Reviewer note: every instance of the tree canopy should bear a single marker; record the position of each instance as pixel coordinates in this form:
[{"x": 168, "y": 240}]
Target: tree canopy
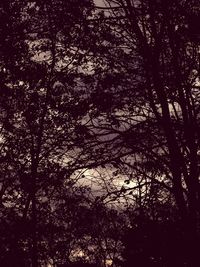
[{"x": 99, "y": 104}]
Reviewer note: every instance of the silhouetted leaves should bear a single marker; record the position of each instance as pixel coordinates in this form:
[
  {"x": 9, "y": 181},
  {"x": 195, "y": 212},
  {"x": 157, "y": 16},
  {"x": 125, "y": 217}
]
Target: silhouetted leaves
[{"x": 99, "y": 105}]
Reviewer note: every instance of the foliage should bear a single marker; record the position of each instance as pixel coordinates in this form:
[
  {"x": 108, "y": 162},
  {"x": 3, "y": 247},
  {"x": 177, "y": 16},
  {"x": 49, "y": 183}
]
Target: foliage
[{"x": 110, "y": 90}]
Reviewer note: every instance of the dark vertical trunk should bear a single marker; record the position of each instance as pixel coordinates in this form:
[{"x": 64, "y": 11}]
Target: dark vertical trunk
[
  {"x": 34, "y": 214},
  {"x": 177, "y": 164},
  {"x": 34, "y": 231}
]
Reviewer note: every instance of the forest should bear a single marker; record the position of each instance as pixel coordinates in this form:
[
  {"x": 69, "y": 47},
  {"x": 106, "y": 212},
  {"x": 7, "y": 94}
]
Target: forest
[{"x": 99, "y": 133}]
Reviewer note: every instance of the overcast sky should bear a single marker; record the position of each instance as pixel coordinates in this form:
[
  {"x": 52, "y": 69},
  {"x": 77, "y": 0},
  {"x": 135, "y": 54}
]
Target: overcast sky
[{"x": 99, "y": 2}]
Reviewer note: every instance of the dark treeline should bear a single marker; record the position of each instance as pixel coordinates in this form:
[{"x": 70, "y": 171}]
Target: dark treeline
[{"x": 99, "y": 133}]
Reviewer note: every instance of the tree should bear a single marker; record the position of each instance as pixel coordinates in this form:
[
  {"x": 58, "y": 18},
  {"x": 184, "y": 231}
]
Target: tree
[
  {"x": 115, "y": 87},
  {"x": 43, "y": 50},
  {"x": 147, "y": 68}
]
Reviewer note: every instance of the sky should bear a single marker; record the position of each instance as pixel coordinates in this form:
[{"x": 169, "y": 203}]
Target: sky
[{"x": 99, "y": 2}]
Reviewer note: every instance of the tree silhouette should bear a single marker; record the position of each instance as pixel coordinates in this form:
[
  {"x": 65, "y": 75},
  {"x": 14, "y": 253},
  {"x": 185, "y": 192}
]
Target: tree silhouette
[
  {"x": 112, "y": 88},
  {"x": 39, "y": 69},
  {"x": 147, "y": 113}
]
